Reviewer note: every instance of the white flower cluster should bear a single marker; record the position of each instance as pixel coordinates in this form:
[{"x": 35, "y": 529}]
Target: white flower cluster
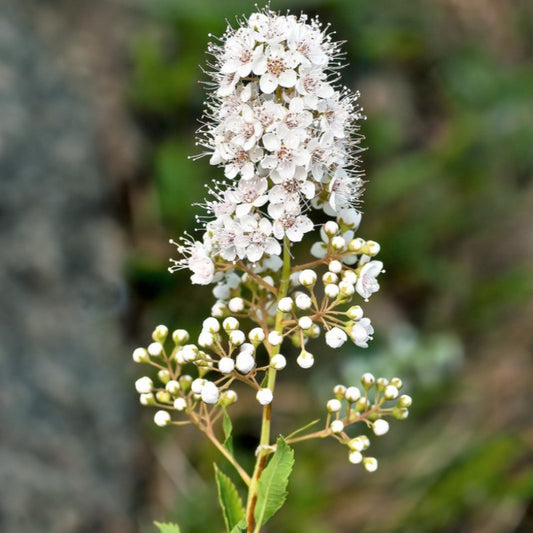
[
  {"x": 285, "y": 136},
  {"x": 359, "y": 408}
]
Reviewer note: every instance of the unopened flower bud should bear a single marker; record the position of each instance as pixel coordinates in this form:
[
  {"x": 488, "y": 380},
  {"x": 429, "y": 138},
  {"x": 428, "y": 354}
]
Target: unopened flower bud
[
  {"x": 355, "y": 457},
  {"x": 352, "y": 394},
  {"x": 189, "y": 352},
  {"x": 180, "y": 336},
  {"x": 160, "y": 334},
  {"x": 380, "y": 427},
  {"x": 245, "y": 362},
  {"x": 356, "y": 245},
  {"x": 219, "y": 310},
  {"x": 307, "y": 277},
  {"x": 356, "y": 444},
  {"x": 405, "y": 401},
  {"x": 335, "y": 266},
  {"x": 185, "y": 382},
  {"x": 172, "y": 386},
  {"x": 305, "y": 359},
  {"x": 337, "y": 426},
  {"x": 163, "y": 375},
  {"x": 397, "y": 382},
  {"x": 206, "y": 339},
  {"x": 275, "y": 338},
  {"x": 197, "y": 385},
  {"x": 370, "y": 464},
  {"x": 367, "y": 380},
  {"x": 305, "y": 322},
  {"x": 349, "y": 276},
  {"x": 140, "y": 355},
  {"x": 162, "y": 418},
  {"x": 264, "y": 396},
  {"x": 331, "y": 290},
  {"x": 147, "y": 399},
  {"x": 361, "y": 404},
  {"x": 381, "y": 383},
  {"x": 313, "y": 332},
  {"x": 230, "y": 323},
  {"x": 336, "y": 337},
  {"x": 278, "y": 362},
  {"x": 210, "y": 393},
  {"x": 346, "y": 289},
  {"x": 228, "y": 398},
  {"x": 237, "y": 337},
  {"x": 355, "y": 312},
  {"x": 330, "y": 277},
  {"x": 339, "y": 391},
  {"x": 226, "y": 365},
  {"x": 371, "y": 248},
  {"x": 256, "y": 335},
  {"x": 162, "y": 396},
  {"x": 285, "y": 304},
  {"x": 338, "y": 243},
  {"x": 180, "y": 404},
  {"x": 400, "y": 413},
  {"x": 390, "y": 392},
  {"x": 236, "y": 305},
  {"x": 155, "y": 349},
  {"x": 303, "y": 301},
  {"x": 144, "y": 385},
  {"x": 331, "y": 228},
  {"x": 333, "y": 406},
  {"x": 211, "y": 324}
]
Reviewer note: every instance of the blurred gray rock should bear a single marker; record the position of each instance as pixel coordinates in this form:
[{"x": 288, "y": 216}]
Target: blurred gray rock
[{"x": 67, "y": 432}]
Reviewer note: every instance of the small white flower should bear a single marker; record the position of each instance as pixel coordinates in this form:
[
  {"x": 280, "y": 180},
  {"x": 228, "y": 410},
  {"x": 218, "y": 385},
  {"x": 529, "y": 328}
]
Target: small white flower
[
  {"x": 218, "y": 310},
  {"x": 276, "y": 67},
  {"x": 275, "y": 338},
  {"x": 180, "y": 404},
  {"x": 180, "y": 336},
  {"x": 370, "y": 464},
  {"x": 226, "y": 365},
  {"x": 361, "y": 332},
  {"x": 189, "y": 352},
  {"x": 264, "y": 396},
  {"x": 144, "y": 385},
  {"x": 336, "y": 337},
  {"x": 355, "y": 312},
  {"x": 278, "y": 362},
  {"x": 346, "y": 289},
  {"x": 338, "y": 243},
  {"x": 206, "y": 339},
  {"x": 366, "y": 283},
  {"x": 335, "y": 266},
  {"x": 197, "y": 385},
  {"x": 162, "y": 418},
  {"x": 333, "y": 406},
  {"x": 245, "y": 362},
  {"x": 331, "y": 228},
  {"x": 337, "y": 426},
  {"x": 230, "y": 323},
  {"x": 356, "y": 444},
  {"x": 210, "y": 393},
  {"x": 349, "y": 276},
  {"x": 155, "y": 349}
]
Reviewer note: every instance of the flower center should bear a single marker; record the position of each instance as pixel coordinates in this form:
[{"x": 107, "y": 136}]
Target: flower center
[{"x": 276, "y": 67}]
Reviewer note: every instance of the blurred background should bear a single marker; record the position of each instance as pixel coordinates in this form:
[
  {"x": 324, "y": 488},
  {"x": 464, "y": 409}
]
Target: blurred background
[{"x": 99, "y": 102}]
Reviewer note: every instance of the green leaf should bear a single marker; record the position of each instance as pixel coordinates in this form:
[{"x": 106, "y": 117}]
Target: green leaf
[
  {"x": 167, "y": 528},
  {"x": 272, "y": 487},
  {"x": 229, "y": 499},
  {"x": 241, "y": 526},
  {"x": 228, "y": 428}
]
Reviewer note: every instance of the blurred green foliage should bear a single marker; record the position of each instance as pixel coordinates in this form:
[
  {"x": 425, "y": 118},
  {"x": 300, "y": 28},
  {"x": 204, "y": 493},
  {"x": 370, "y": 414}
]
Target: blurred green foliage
[{"x": 447, "y": 87}]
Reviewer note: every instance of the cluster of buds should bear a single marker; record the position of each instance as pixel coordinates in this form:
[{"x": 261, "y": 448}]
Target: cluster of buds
[
  {"x": 350, "y": 406},
  {"x": 287, "y": 138}
]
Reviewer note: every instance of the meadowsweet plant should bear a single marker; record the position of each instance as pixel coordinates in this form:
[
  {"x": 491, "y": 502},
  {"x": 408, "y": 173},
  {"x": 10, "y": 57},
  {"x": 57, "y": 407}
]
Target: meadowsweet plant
[{"x": 285, "y": 136}]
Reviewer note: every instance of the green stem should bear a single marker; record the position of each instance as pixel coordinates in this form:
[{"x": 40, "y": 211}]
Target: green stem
[{"x": 264, "y": 442}]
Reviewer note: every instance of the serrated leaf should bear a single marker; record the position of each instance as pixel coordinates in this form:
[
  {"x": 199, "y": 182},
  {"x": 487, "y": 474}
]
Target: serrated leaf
[
  {"x": 167, "y": 528},
  {"x": 241, "y": 526},
  {"x": 228, "y": 429},
  {"x": 229, "y": 499},
  {"x": 272, "y": 487}
]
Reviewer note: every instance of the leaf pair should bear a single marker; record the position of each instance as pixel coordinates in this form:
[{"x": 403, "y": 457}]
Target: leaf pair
[{"x": 271, "y": 491}]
